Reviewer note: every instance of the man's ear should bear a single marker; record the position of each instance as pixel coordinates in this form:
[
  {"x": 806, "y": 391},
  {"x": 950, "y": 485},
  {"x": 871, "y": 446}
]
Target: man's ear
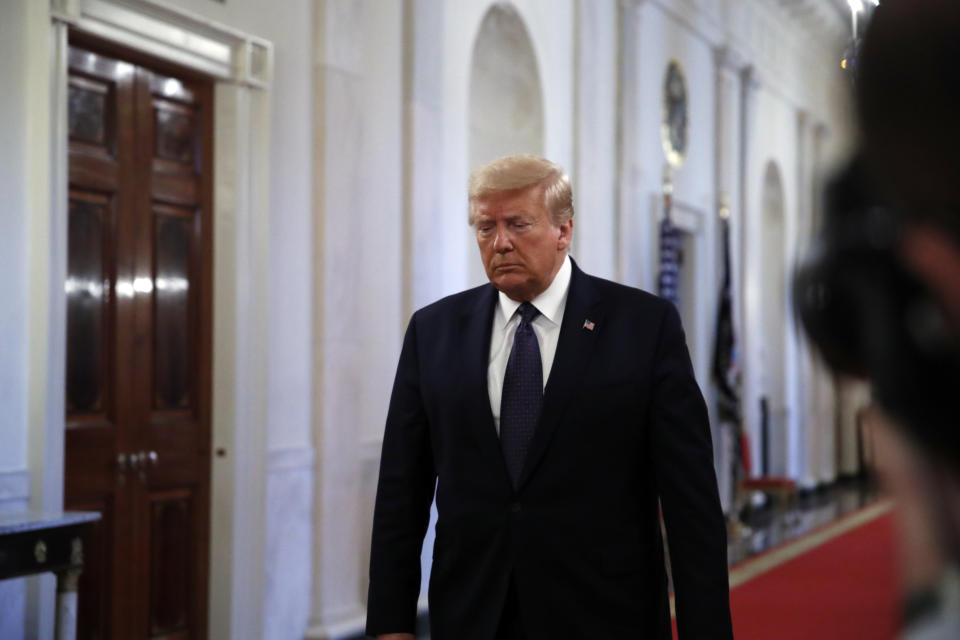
[{"x": 566, "y": 235}]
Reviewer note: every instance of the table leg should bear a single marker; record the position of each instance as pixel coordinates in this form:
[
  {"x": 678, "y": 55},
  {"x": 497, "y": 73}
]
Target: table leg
[{"x": 67, "y": 604}]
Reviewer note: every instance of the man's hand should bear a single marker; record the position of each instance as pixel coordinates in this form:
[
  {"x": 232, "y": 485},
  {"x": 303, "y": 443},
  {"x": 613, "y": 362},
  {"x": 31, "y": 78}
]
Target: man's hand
[{"x": 396, "y": 636}]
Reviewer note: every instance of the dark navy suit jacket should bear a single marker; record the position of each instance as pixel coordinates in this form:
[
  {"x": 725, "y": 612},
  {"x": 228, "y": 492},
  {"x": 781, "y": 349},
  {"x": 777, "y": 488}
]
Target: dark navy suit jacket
[{"x": 623, "y": 430}]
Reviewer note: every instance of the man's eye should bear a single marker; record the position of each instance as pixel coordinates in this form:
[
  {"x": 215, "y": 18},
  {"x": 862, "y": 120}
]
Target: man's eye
[{"x": 484, "y": 228}]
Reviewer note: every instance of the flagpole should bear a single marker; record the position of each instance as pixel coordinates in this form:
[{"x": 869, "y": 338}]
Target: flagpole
[{"x": 667, "y": 190}]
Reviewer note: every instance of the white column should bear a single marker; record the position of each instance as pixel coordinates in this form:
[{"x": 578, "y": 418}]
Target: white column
[
  {"x": 825, "y": 405},
  {"x": 424, "y": 213},
  {"x": 631, "y": 244},
  {"x": 338, "y": 211},
  {"x": 423, "y": 154},
  {"x": 794, "y": 375},
  {"x": 370, "y": 110},
  {"x": 802, "y": 464},
  {"x": 748, "y": 252},
  {"x": 596, "y": 238}
]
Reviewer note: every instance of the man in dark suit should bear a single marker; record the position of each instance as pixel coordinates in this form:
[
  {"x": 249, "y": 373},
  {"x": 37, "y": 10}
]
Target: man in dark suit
[{"x": 555, "y": 413}]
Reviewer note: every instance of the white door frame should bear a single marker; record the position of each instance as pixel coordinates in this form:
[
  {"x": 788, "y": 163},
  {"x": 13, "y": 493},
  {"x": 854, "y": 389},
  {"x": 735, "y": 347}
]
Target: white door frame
[{"x": 241, "y": 66}]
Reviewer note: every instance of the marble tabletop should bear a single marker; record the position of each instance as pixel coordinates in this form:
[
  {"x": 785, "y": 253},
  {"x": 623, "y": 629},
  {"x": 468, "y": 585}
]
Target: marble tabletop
[{"x": 23, "y": 521}]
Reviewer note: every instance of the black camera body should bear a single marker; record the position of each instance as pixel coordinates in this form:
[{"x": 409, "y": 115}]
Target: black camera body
[
  {"x": 867, "y": 313},
  {"x": 871, "y": 318}
]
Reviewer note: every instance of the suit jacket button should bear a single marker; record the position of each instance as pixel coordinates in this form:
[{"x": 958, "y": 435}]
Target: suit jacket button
[{"x": 515, "y": 507}]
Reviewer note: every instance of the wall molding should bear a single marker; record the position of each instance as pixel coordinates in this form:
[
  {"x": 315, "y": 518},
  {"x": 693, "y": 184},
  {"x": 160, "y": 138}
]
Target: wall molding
[{"x": 173, "y": 34}]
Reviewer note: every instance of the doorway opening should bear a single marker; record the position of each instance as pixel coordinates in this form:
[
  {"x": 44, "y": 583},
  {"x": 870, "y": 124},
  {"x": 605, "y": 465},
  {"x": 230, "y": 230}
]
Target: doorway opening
[{"x": 139, "y": 338}]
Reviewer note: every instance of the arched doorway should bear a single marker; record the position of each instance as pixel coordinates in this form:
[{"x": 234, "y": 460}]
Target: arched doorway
[{"x": 506, "y": 97}]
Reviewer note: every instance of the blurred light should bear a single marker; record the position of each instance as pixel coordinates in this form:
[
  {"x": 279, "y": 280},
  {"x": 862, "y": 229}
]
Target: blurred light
[
  {"x": 856, "y": 5},
  {"x": 143, "y": 285},
  {"x": 172, "y": 87},
  {"x": 172, "y": 284},
  {"x": 76, "y": 285}
]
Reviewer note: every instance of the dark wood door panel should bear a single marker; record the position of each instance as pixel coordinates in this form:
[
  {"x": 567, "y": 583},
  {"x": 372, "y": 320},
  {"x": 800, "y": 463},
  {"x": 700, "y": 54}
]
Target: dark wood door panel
[
  {"x": 94, "y": 172},
  {"x": 180, "y": 452},
  {"x": 175, "y": 188},
  {"x": 173, "y": 324},
  {"x": 139, "y": 304},
  {"x": 90, "y": 276},
  {"x": 90, "y": 463},
  {"x": 171, "y": 548},
  {"x": 175, "y": 310},
  {"x": 91, "y": 113}
]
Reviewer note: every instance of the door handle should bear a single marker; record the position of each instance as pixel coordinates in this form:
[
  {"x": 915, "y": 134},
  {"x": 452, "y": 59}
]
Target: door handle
[{"x": 138, "y": 461}]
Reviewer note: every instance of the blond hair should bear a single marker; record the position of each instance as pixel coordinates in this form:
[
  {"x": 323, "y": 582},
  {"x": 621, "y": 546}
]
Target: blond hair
[{"x": 517, "y": 172}]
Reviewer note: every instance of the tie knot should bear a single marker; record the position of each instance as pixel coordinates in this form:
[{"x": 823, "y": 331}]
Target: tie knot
[{"x": 527, "y": 313}]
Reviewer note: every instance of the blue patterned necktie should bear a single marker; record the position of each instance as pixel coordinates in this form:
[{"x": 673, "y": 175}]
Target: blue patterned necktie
[{"x": 522, "y": 394}]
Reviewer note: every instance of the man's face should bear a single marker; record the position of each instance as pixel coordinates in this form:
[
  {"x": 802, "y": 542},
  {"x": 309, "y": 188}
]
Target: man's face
[{"x": 521, "y": 248}]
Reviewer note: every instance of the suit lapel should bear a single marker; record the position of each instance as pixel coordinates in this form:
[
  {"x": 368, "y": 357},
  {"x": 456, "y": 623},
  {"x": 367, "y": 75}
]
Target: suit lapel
[
  {"x": 477, "y": 323},
  {"x": 574, "y": 348}
]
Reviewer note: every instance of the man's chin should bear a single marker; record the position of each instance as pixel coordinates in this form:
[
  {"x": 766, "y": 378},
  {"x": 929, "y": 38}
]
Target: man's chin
[{"x": 514, "y": 287}]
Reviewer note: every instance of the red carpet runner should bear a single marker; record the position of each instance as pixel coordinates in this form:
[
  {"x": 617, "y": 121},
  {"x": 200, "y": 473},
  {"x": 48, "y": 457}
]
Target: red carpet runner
[{"x": 845, "y": 588}]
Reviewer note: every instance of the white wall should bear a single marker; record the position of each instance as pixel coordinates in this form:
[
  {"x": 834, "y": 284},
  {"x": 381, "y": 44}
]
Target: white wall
[
  {"x": 22, "y": 140},
  {"x": 13, "y": 237}
]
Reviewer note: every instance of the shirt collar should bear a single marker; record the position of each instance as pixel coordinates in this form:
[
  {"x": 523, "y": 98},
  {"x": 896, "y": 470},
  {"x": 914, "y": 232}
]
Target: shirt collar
[{"x": 550, "y": 302}]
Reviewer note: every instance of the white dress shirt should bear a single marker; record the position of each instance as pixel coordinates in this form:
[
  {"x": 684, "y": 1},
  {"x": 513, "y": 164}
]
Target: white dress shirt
[{"x": 546, "y": 326}]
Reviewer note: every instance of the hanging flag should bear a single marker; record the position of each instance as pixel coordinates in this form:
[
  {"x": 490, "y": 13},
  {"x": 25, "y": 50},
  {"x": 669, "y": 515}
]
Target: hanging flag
[
  {"x": 668, "y": 285},
  {"x": 726, "y": 367}
]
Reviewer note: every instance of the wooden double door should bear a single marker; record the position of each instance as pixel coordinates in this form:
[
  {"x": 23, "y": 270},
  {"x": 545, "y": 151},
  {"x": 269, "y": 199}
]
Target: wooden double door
[{"x": 139, "y": 343}]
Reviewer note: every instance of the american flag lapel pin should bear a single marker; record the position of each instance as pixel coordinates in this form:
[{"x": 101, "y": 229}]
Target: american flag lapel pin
[{"x": 589, "y": 324}]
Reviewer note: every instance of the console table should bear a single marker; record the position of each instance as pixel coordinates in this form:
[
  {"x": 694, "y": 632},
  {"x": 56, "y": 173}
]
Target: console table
[{"x": 32, "y": 543}]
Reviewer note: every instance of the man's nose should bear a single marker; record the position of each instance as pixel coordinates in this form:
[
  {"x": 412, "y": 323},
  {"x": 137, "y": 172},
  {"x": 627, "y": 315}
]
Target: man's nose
[{"x": 502, "y": 242}]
